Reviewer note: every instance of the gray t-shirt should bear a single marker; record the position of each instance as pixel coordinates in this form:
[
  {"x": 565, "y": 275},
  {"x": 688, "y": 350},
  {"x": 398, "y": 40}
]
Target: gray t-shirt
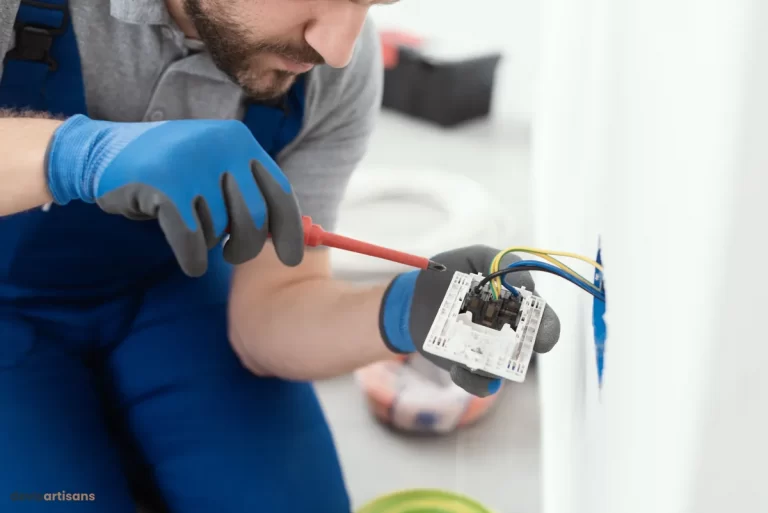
[{"x": 138, "y": 66}]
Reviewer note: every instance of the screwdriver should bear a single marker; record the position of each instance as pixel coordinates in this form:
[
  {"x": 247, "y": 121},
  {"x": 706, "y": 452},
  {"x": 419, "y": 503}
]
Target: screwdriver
[{"x": 315, "y": 235}]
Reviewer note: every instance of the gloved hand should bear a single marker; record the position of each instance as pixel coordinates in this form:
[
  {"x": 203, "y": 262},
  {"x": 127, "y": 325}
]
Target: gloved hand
[
  {"x": 413, "y": 299},
  {"x": 196, "y": 177}
]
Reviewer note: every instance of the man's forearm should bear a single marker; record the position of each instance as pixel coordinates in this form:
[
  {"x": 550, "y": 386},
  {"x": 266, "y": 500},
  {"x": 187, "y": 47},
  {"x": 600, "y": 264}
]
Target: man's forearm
[
  {"x": 310, "y": 330},
  {"x": 24, "y": 139}
]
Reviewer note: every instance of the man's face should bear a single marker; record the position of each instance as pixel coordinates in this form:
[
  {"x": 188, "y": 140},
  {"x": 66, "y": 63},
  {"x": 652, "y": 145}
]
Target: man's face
[{"x": 260, "y": 44}]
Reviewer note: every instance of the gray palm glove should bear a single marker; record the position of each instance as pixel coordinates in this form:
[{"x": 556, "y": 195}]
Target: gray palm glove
[
  {"x": 197, "y": 178},
  {"x": 413, "y": 299}
]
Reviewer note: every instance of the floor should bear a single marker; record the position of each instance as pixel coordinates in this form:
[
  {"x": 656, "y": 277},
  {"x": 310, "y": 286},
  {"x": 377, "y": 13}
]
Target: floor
[{"x": 496, "y": 461}]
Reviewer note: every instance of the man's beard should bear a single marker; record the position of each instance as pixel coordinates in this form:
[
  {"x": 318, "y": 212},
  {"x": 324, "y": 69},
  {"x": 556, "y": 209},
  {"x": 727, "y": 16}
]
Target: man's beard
[{"x": 234, "y": 54}]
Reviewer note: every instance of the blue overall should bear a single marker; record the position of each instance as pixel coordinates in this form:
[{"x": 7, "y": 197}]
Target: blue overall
[{"x": 117, "y": 380}]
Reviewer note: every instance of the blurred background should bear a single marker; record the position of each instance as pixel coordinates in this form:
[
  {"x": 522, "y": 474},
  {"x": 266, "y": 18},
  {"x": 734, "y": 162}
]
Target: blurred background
[
  {"x": 631, "y": 127},
  {"x": 442, "y": 169}
]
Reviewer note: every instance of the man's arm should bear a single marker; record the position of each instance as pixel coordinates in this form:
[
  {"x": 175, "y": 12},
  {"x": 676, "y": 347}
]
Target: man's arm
[
  {"x": 24, "y": 139},
  {"x": 299, "y": 323}
]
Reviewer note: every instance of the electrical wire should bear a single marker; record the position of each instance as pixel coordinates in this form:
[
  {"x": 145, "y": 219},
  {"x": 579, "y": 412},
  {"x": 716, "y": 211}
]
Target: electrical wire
[
  {"x": 538, "y": 251},
  {"x": 534, "y": 265},
  {"x": 546, "y": 255},
  {"x": 496, "y": 283},
  {"x": 541, "y": 254}
]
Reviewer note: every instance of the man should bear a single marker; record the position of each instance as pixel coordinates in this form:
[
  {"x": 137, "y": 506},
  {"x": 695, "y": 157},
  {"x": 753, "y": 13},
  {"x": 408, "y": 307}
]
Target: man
[{"x": 133, "y": 349}]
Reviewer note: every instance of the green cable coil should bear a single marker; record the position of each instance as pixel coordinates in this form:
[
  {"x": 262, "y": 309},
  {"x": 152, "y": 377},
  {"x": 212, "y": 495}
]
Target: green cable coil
[{"x": 424, "y": 501}]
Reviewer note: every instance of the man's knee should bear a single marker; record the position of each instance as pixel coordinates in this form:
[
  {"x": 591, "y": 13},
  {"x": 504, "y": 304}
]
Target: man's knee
[
  {"x": 295, "y": 460},
  {"x": 241, "y": 444}
]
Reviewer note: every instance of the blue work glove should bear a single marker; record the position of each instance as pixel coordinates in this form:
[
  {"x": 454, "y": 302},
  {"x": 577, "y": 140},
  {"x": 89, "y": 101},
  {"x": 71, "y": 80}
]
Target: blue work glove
[
  {"x": 413, "y": 299},
  {"x": 196, "y": 177}
]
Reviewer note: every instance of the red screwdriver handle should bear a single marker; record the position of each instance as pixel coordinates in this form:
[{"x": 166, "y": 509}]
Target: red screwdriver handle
[
  {"x": 363, "y": 248},
  {"x": 313, "y": 233},
  {"x": 314, "y": 236}
]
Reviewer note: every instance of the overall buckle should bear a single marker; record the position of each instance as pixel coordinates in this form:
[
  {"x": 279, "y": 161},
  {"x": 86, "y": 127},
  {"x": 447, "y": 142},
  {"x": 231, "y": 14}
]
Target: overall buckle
[{"x": 34, "y": 41}]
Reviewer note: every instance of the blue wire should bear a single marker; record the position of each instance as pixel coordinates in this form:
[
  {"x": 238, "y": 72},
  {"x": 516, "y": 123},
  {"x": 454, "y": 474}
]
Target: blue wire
[{"x": 554, "y": 270}]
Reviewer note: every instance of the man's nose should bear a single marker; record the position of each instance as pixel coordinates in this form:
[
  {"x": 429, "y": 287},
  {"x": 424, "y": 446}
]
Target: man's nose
[{"x": 334, "y": 31}]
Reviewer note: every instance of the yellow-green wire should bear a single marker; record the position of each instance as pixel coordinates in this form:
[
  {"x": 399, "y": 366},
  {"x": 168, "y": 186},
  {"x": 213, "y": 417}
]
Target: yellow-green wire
[
  {"x": 543, "y": 255},
  {"x": 547, "y": 255}
]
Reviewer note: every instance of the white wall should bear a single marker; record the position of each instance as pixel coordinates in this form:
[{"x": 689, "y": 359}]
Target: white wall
[
  {"x": 568, "y": 133},
  {"x": 654, "y": 115},
  {"x": 509, "y": 26}
]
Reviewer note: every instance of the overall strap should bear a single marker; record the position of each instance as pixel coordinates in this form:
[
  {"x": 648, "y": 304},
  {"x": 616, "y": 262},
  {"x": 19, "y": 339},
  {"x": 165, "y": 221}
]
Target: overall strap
[
  {"x": 276, "y": 127},
  {"x": 42, "y": 71}
]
